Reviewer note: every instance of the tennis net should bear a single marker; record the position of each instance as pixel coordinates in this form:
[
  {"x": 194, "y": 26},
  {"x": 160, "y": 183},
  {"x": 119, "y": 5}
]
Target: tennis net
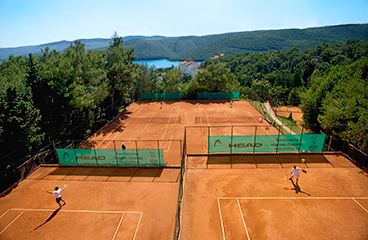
[
  {"x": 228, "y": 119},
  {"x": 153, "y": 120}
]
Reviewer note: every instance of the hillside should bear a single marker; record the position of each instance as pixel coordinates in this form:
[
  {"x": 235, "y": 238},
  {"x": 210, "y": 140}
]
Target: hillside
[
  {"x": 204, "y": 47},
  {"x": 261, "y": 41}
]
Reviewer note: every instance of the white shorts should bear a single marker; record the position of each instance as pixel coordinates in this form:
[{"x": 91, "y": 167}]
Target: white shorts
[{"x": 296, "y": 175}]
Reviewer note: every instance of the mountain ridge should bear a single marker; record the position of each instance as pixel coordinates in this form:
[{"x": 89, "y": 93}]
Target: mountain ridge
[{"x": 204, "y": 47}]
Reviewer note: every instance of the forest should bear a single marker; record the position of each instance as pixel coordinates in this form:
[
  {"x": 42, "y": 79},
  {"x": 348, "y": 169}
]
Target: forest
[
  {"x": 201, "y": 48},
  {"x": 47, "y": 97}
]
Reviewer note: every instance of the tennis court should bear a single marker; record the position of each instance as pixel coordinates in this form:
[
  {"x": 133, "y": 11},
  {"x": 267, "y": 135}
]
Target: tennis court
[
  {"x": 102, "y": 203},
  {"x": 226, "y": 196},
  {"x": 252, "y": 200}
]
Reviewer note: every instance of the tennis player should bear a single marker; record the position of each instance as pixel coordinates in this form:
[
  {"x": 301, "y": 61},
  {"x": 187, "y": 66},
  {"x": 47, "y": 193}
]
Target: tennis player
[
  {"x": 231, "y": 104},
  {"x": 295, "y": 173},
  {"x": 161, "y": 104},
  {"x": 58, "y": 195}
]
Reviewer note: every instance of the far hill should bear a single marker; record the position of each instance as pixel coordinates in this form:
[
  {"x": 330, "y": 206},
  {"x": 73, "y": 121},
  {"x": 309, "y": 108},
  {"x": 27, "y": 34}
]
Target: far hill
[{"x": 204, "y": 47}]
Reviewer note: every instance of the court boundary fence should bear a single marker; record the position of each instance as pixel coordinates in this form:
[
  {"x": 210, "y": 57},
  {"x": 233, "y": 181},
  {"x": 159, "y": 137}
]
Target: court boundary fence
[
  {"x": 136, "y": 153},
  {"x": 206, "y": 131},
  {"x": 181, "y": 188}
]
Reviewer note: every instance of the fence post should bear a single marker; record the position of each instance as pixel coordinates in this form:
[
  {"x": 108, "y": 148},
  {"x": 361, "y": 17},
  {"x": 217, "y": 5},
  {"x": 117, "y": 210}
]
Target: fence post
[
  {"x": 231, "y": 148},
  {"x": 116, "y": 155},
  {"x": 254, "y": 143},
  {"x": 301, "y": 137},
  {"x": 136, "y": 150},
  {"x": 208, "y": 139},
  {"x": 57, "y": 157},
  {"x": 158, "y": 151},
  {"x": 278, "y": 139},
  {"x": 75, "y": 154},
  {"x": 94, "y": 148}
]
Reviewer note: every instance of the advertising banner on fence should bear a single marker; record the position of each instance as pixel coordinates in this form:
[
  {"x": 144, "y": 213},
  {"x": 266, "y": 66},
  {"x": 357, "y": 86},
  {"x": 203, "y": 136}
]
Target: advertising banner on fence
[
  {"x": 266, "y": 143},
  {"x": 111, "y": 157}
]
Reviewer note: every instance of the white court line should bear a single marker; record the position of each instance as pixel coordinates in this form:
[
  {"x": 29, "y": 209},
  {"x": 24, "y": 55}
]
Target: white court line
[
  {"x": 115, "y": 129},
  {"x": 360, "y": 205},
  {"x": 5, "y": 213},
  {"x": 167, "y": 126},
  {"x": 172, "y": 133},
  {"x": 117, "y": 228},
  {"x": 222, "y": 223},
  {"x": 136, "y": 230},
  {"x": 147, "y": 124},
  {"x": 11, "y": 222},
  {"x": 286, "y": 198},
  {"x": 76, "y": 211},
  {"x": 242, "y": 216},
  {"x": 202, "y": 134},
  {"x": 258, "y": 124}
]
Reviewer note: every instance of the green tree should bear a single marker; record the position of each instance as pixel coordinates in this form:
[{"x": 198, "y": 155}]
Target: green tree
[
  {"x": 120, "y": 68},
  {"x": 347, "y": 103},
  {"x": 146, "y": 81},
  {"x": 171, "y": 81},
  {"x": 215, "y": 78},
  {"x": 261, "y": 88}
]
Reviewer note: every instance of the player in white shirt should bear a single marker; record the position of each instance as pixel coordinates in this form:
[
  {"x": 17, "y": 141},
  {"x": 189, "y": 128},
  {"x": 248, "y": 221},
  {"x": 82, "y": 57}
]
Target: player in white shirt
[
  {"x": 295, "y": 173},
  {"x": 58, "y": 195}
]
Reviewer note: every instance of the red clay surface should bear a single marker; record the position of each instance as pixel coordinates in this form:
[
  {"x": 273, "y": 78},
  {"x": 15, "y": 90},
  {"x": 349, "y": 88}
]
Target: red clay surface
[
  {"x": 250, "y": 199},
  {"x": 102, "y": 203},
  {"x": 285, "y": 111},
  {"x": 241, "y": 197},
  {"x": 115, "y": 203}
]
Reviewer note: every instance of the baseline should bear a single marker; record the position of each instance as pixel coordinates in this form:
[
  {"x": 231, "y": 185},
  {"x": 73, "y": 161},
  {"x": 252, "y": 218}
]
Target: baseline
[{"x": 77, "y": 211}]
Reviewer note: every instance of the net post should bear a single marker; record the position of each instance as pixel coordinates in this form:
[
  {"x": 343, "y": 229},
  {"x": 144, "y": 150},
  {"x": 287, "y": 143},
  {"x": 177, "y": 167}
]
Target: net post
[{"x": 136, "y": 150}]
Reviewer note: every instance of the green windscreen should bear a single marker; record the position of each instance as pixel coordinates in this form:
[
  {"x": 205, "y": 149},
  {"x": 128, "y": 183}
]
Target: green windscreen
[
  {"x": 111, "y": 157},
  {"x": 266, "y": 143},
  {"x": 218, "y": 96},
  {"x": 160, "y": 96}
]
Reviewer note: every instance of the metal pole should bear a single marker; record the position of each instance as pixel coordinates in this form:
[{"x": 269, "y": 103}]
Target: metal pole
[
  {"x": 254, "y": 143},
  {"x": 57, "y": 157},
  {"x": 158, "y": 151},
  {"x": 116, "y": 155},
  {"x": 278, "y": 139},
  {"x": 231, "y": 148},
  {"x": 329, "y": 144},
  {"x": 300, "y": 143},
  {"x": 94, "y": 147},
  {"x": 208, "y": 139},
  {"x": 136, "y": 150}
]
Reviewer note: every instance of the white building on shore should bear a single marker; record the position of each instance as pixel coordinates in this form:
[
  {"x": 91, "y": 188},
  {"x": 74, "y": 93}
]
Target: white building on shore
[{"x": 189, "y": 67}]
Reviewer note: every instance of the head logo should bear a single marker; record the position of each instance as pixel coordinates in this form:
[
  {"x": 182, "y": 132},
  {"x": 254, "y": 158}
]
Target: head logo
[
  {"x": 217, "y": 141},
  {"x": 66, "y": 155}
]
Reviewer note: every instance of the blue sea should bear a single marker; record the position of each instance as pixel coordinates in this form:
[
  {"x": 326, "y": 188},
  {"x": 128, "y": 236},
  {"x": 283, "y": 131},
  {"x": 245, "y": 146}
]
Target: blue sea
[{"x": 159, "y": 63}]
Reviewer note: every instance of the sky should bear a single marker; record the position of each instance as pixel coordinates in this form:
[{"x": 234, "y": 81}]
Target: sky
[{"x": 34, "y": 22}]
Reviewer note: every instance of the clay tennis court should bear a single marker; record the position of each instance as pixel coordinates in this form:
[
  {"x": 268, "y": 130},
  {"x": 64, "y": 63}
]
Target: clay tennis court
[
  {"x": 113, "y": 202},
  {"x": 284, "y": 111},
  {"x": 252, "y": 199},
  {"x": 225, "y": 197}
]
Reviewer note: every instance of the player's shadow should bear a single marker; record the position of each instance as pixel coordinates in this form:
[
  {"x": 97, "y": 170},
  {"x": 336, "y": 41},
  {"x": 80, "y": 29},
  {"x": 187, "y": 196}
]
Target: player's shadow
[
  {"x": 50, "y": 218},
  {"x": 297, "y": 188}
]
